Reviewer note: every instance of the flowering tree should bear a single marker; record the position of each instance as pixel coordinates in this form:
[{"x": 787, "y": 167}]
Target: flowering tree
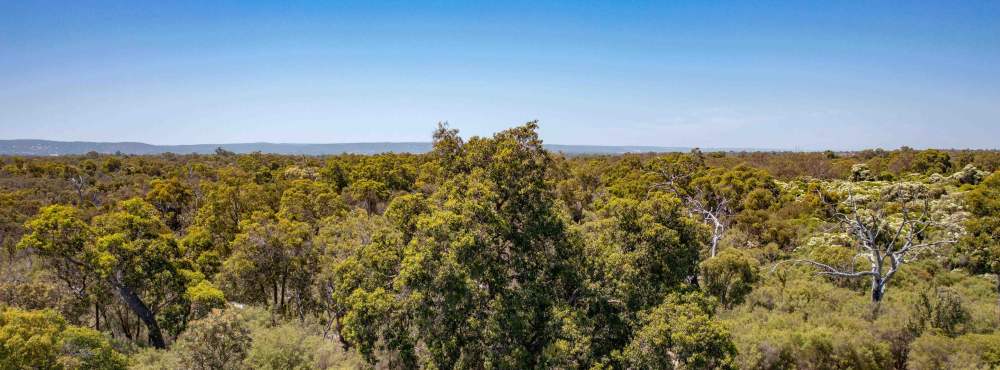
[{"x": 889, "y": 231}]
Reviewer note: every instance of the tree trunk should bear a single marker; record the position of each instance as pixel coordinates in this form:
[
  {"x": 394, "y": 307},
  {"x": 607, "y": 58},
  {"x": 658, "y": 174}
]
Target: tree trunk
[
  {"x": 878, "y": 288},
  {"x": 123, "y": 323},
  {"x": 97, "y": 317},
  {"x": 284, "y": 278},
  {"x": 147, "y": 317},
  {"x": 274, "y": 296}
]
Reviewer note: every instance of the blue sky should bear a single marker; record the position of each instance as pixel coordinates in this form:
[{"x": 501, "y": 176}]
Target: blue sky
[{"x": 809, "y": 75}]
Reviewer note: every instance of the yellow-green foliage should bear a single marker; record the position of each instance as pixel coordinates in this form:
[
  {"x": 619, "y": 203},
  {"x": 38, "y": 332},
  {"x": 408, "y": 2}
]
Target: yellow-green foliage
[
  {"x": 43, "y": 340},
  {"x": 247, "y": 339},
  {"x": 204, "y": 297},
  {"x": 492, "y": 252},
  {"x": 971, "y": 351},
  {"x": 979, "y": 249},
  {"x": 293, "y": 346},
  {"x": 729, "y": 276},
  {"x": 798, "y": 322},
  {"x": 680, "y": 334},
  {"x": 219, "y": 341},
  {"x": 794, "y": 319}
]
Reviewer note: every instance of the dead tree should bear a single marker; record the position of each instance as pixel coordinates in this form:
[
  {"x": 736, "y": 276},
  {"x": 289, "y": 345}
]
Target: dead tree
[
  {"x": 716, "y": 215},
  {"x": 712, "y": 207},
  {"x": 887, "y": 241},
  {"x": 80, "y": 184}
]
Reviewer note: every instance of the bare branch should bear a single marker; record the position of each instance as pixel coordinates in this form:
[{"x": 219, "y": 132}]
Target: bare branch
[
  {"x": 828, "y": 270},
  {"x": 869, "y": 228}
]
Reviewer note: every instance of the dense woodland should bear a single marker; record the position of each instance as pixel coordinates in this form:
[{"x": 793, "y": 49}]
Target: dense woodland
[{"x": 493, "y": 253}]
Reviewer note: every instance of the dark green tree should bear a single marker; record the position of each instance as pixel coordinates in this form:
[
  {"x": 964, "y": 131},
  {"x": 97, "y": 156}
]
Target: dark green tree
[{"x": 979, "y": 248}]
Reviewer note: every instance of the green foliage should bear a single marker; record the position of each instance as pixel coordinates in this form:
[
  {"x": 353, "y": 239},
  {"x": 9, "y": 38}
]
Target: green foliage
[
  {"x": 136, "y": 255},
  {"x": 729, "y": 276},
  {"x": 245, "y": 339},
  {"x": 576, "y": 186},
  {"x": 794, "y": 322},
  {"x": 932, "y": 161},
  {"x": 128, "y": 249},
  {"x": 972, "y": 351},
  {"x": 33, "y": 295},
  {"x": 860, "y": 172},
  {"x": 943, "y": 311},
  {"x": 680, "y": 333},
  {"x": 198, "y": 246},
  {"x": 229, "y": 201},
  {"x": 43, "y": 340},
  {"x": 448, "y": 149},
  {"x": 404, "y": 211},
  {"x": 642, "y": 250},
  {"x": 273, "y": 263},
  {"x": 285, "y": 347},
  {"x": 335, "y": 175},
  {"x": 491, "y": 252},
  {"x": 362, "y": 253},
  {"x": 204, "y": 297},
  {"x": 638, "y": 253},
  {"x": 309, "y": 201},
  {"x": 368, "y": 193},
  {"x": 171, "y": 198},
  {"x": 370, "y": 324},
  {"x": 491, "y": 259},
  {"x": 980, "y": 247},
  {"x": 57, "y": 231},
  {"x": 131, "y": 245},
  {"x": 735, "y": 185},
  {"x": 220, "y": 341}
]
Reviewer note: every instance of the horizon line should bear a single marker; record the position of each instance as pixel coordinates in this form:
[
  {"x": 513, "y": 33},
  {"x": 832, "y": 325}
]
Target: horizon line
[{"x": 669, "y": 148}]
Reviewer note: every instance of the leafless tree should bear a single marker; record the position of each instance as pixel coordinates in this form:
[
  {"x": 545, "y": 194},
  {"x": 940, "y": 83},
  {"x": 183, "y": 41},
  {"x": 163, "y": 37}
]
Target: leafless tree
[
  {"x": 716, "y": 215},
  {"x": 713, "y": 208},
  {"x": 887, "y": 241},
  {"x": 80, "y": 184}
]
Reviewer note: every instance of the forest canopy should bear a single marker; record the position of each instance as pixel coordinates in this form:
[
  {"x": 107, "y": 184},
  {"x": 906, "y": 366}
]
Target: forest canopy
[{"x": 493, "y": 252}]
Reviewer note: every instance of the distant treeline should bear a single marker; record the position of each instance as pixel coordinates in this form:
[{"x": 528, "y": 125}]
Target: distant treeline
[
  {"x": 48, "y": 148},
  {"x": 499, "y": 253}
]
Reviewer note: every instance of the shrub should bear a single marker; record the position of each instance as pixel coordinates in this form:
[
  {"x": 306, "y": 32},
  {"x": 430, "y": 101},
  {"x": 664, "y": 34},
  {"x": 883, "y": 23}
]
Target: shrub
[
  {"x": 204, "y": 297},
  {"x": 860, "y": 172},
  {"x": 220, "y": 341},
  {"x": 729, "y": 276},
  {"x": 43, "y": 340},
  {"x": 283, "y": 347},
  {"x": 972, "y": 351},
  {"x": 680, "y": 333}
]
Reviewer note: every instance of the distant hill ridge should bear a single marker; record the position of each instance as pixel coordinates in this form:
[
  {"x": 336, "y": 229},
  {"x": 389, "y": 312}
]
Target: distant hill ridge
[{"x": 48, "y": 148}]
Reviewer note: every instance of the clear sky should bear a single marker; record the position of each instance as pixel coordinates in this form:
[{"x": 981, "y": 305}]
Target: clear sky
[{"x": 810, "y": 75}]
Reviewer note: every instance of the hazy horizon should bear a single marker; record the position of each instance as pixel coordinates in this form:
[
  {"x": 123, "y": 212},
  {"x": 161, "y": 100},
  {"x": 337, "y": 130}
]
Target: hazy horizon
[
  {"x": 840, "y": 76},
  {"x": 547, "y": 142},
  {"x": 11, "y": 147}
]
